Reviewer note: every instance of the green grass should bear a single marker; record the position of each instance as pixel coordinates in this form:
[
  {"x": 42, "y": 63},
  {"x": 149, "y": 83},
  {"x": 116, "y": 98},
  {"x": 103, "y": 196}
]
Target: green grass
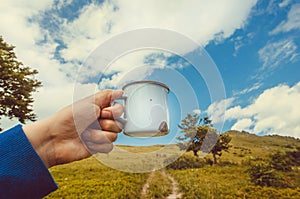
[
  {"x": 160, "y": 186},
  {"x": 139, "y": 159},
  {"x": 225, "y": 182},
  {"x": 91, "y": 179},
  {"x": 229, "y": 178}
]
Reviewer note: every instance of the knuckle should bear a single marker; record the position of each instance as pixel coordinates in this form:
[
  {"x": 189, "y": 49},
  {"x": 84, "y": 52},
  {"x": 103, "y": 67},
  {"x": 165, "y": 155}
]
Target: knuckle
[
  {"x": 108, "y": 148},
  {"x": 105, "y": 124},
  {"x": 114, "y": 137}
]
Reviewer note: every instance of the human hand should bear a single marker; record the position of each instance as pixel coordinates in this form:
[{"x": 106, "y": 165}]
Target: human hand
[{"x": 58, "y": 138}]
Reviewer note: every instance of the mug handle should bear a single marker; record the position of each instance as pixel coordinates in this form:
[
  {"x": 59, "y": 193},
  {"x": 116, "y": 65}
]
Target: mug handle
[{"x": 124, "y": 119}]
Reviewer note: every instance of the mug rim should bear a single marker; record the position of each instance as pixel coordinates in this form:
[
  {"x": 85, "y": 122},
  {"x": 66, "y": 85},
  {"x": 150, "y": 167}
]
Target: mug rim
[{"x": 149, "y": 82}]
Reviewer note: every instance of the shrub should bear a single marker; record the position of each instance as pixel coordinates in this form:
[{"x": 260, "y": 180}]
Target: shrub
[
  {"x": 281, "y": 161},
  {"x": 284, "y": 161},
  {"x": 227, "y": 163},
  {"x": 186, "y": 162},
  {"x": 263, "y": 174}
]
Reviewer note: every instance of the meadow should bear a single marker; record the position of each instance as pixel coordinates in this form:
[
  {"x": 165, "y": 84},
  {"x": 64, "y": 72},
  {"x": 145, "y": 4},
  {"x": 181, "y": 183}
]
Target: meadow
[{"x": 228, "y": 179}]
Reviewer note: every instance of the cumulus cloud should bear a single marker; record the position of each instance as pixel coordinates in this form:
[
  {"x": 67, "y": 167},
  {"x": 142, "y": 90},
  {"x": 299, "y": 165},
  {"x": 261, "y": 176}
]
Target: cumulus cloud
[
  {"x": 217, "y": 110},
  {"x": 275, "y": 111},
  {"x": 199, "y": 24},
  {"x": 17, "y": 30},
  {"x": 292, "y": 22},
  {"x": 57, "y": 46},
  {"x": 97, "y": 22},
  {"x": 243, "y": 125}
]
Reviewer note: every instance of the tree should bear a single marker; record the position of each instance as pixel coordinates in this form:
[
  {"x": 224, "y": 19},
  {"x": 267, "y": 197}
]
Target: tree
[
  {"x": 221, "y": 145},
  {"x": 16, "y": 86},
  {"x": 199, "y": 135}
]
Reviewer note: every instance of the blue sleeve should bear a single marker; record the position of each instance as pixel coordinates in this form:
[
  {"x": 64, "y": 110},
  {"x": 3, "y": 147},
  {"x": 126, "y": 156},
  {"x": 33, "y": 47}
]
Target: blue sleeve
[{"x": 22, "y": 172}]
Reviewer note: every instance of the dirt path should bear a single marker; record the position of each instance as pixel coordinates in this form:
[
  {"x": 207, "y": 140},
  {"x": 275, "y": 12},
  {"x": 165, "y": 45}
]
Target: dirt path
[
  {"x": 146, "y": 185},
  {"x": 173, "y": 195}
]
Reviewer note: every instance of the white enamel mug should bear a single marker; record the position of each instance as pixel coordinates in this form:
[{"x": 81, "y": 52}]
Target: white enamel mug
[{"x": 145, "y": 109}]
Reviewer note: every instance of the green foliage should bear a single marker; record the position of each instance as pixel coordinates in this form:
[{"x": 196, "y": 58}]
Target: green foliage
[
  {"x": 263, "y": 174},
  {"x": 16, "y": 85},
  {"x": 270, "y": 192},
  {"x": 294, "y": 156},
  {"x": 186, "y": 162},
  {"x": 199, "y": 135},
  {"x": 270, "y": 171},
  {"x": 221, "y": 145},
  {"x": 281, "y": 161}
]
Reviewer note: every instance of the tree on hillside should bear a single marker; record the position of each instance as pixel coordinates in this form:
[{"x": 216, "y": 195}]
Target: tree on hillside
[
  {"x": 198, "y": 134},
  {"x": 16, "y": 85}
]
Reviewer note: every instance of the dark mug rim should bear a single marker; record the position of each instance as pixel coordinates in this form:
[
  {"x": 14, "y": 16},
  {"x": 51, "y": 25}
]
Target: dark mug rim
[{"x": 147, "y": 81}]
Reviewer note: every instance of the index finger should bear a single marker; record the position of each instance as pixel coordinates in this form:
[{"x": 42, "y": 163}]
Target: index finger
[{"x": 112, "y": 112}]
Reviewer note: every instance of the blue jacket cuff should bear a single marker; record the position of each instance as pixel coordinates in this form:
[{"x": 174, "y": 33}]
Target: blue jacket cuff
[{"x": 22, "y": 172}]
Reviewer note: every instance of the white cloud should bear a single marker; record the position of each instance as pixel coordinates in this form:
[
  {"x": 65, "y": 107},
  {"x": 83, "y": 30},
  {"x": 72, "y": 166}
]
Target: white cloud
[
  {"x": 217, "y": 110},
  {"x": 197, "y": 111},
  {"x": 98, "y": 22},
  {"x": 276, "y": 53},
  {"x": 284, "y": 3},
  {"x": 85, "y": 33},
  {"x": 254, "y": 87},
  {"x": 292, "y": 22},
  {"x": 204, "y": 19},
  {"x": 121, "y": 78},
  {"x": 275, "y": 111},
  {"x": 50, "y": 99},
  {"x": 201, "y": 20},
  {"x": 242, "y": 125},
  {"x": 15, "y": 27},
  {"x": 62, "y": 3}
]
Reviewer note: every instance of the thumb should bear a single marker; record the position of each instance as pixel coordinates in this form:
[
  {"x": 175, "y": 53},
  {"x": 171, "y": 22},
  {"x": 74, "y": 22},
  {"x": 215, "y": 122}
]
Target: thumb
[
  {"x": 103, "y": 99},
  {"x": 88, "y": 110}
]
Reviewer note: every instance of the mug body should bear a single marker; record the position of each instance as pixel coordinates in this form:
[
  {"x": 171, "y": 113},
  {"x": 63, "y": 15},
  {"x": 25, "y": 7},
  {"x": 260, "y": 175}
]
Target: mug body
[{"x": 146, "y": 109}]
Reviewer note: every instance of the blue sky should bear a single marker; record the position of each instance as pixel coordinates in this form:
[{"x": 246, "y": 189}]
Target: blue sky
[{"x": 253, "y": 43}]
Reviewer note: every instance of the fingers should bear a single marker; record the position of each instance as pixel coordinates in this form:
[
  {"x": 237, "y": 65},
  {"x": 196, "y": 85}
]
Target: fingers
[
  {"x": 111, "y": 125},
  {"x": 112, "y": 112},
  {"x": 100, "y": 148},
  {"x": 99, "y": 141},
  {"x": 99, "y": 137}
]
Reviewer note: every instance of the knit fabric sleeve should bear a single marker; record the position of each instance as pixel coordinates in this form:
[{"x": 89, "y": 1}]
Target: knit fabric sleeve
[{"x": 22, "y": 172}]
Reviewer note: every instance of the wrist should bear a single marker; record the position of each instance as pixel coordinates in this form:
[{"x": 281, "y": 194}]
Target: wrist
[{"x": 40, "y": 137}]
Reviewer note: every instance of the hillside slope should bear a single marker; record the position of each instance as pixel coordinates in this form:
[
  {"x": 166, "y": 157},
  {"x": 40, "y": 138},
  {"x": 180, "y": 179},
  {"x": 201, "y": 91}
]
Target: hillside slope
[{"x": 229, "y": 179}]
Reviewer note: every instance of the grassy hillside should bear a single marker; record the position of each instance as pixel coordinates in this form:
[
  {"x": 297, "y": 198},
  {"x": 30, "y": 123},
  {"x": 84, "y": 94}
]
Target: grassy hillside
[
  {"x": 90, "y": 179},
  {"x": 228, "y": 179}
]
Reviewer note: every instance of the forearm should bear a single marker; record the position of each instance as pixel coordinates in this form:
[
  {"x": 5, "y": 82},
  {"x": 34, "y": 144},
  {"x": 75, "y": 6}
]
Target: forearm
[{"x": 41, "y": 138}]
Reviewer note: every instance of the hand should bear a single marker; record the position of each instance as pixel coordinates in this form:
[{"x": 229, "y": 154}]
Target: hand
[{"x": 58, "y": 138}]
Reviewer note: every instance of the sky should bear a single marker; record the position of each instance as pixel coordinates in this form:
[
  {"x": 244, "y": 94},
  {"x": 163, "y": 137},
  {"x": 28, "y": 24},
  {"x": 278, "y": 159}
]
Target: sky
[{"x": 249, "y": 79}]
